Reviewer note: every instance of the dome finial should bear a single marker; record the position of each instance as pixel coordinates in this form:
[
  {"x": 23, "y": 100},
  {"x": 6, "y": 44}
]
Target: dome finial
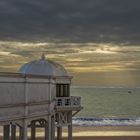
[{"x": 43, "y": 55}]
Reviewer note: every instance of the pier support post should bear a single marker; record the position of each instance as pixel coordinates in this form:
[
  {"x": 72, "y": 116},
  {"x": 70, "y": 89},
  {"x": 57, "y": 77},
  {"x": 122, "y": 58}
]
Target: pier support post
[
  {"x": 70, "y": 126},
  {"x": 33, "y": 130},
  {"x": 20, "y": 133},
  {"x": 6, "y": 132},
  {"x": 48, "y": 129},
  {"x": 59, "y": 133},
  {"x": 13, "y": 132},
  {"x": 53, "y": 128},
  {"x": 23, "y": 131}
]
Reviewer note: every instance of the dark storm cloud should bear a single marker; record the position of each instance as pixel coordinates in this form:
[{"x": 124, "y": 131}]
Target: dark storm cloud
[{"x": 70, "y": 20}]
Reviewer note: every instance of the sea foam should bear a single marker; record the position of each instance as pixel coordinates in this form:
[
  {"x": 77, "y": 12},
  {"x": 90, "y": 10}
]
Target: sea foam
[{"x": 106, "y": 122}]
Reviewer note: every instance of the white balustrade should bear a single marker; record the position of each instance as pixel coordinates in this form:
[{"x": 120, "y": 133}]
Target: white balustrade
[{"x": 68, "y": 101}]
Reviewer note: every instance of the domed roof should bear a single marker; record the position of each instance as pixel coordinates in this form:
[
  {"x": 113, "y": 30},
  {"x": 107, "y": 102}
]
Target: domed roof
[{"x": 43, "y": 67}]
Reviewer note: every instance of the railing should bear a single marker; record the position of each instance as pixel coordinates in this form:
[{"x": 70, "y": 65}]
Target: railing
[{"x": 68, "y": 101}]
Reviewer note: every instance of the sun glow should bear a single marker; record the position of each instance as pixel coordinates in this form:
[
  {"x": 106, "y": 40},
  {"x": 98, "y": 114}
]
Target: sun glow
[{"x": 104, "y": 51}]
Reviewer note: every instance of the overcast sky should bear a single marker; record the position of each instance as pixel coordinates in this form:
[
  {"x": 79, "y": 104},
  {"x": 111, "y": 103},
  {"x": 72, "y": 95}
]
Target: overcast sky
[
  {"x": 93, "y": 39},
  {"x": 70, "y": 20}
]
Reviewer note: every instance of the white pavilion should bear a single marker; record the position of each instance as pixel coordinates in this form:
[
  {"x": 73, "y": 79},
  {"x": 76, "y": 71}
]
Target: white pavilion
[{"x": 37, "y": 96}]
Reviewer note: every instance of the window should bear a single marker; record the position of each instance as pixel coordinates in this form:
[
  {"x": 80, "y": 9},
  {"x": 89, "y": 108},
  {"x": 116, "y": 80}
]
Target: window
[{"x": 62, "y": 90}]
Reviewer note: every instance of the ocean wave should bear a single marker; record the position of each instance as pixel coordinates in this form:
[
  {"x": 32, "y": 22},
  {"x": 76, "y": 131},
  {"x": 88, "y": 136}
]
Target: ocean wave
[{"x": 106, "y": 122}]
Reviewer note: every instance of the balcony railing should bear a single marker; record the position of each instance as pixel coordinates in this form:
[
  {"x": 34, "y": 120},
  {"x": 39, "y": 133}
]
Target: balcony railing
[{"x": 68, "y": 101}]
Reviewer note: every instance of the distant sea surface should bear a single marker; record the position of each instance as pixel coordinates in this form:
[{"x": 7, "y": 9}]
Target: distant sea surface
[{"x": 113, "y": 106}]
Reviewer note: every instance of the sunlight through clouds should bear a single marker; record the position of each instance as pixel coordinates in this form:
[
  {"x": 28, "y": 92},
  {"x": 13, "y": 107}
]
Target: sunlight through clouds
[
  {"x": 77, "y": 58},
  {"x": 103, "y": 57},
  {"x": 5, "y": 53}
]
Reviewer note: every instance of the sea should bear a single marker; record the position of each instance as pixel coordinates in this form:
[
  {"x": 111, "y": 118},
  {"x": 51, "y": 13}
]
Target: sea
[{"x": 107, "y": 106}]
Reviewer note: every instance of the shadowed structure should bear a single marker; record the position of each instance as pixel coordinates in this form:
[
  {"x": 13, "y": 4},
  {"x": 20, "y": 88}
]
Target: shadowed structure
[{"x": 38, "y": 96}]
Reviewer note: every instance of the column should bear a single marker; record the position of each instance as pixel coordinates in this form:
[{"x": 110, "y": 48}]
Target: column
[
  {"x": 48, "y": 129},
  {"x": 33, "y": 130},
  {"x": 70, "y": 126},
  {"x": 6, "y": 132},
  {"x": 23, "y": 131},
  {"x": 21, "y": 137},
  {"x": 53, "y": 128},
  {"x": 13, "y": 132},
  {"x": 59, "y": 133}
]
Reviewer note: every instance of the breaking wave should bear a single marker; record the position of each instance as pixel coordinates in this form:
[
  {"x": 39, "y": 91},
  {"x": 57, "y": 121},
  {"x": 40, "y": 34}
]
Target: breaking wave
[{"x": 106, "y": 122}]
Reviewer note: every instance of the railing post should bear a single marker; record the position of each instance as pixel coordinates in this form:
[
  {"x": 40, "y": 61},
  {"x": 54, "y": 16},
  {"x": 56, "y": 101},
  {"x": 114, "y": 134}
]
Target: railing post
[
  {"x": 63, "y": 102},
  {"x": 71, "y": 102}
]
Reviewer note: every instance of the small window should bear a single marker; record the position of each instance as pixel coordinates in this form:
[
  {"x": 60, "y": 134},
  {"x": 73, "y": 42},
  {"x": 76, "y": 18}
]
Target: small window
[{"x": 62, "y": 90}]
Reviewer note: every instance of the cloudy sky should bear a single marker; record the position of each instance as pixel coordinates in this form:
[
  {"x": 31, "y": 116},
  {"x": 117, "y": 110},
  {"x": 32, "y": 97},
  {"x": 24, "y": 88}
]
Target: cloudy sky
[{"x": 98, "y": 41}]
